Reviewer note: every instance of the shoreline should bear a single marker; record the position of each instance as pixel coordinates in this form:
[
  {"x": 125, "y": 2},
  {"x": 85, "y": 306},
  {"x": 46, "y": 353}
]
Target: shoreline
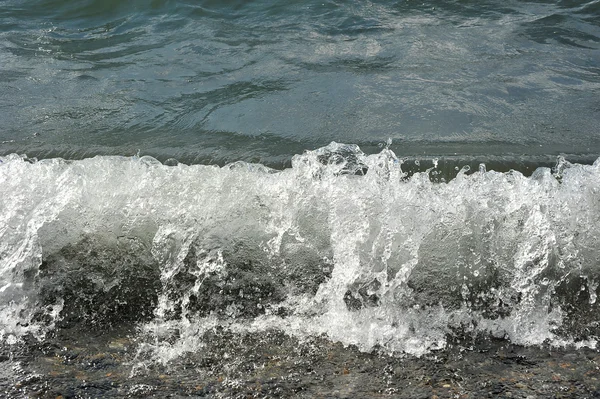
[{"x": 72, "y": 364}]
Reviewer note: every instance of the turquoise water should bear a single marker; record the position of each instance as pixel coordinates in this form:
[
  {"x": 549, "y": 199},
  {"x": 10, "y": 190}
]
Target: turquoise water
[{"x": 222, "y": 81}]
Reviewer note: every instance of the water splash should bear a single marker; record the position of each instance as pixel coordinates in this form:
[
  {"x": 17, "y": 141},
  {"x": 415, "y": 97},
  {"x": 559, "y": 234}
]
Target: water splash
[{"x": 343, "y": 244}]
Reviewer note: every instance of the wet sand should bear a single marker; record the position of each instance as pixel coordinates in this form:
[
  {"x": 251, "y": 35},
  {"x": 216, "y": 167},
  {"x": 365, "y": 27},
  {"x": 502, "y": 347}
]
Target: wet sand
[{"x": 80, "y": 364}]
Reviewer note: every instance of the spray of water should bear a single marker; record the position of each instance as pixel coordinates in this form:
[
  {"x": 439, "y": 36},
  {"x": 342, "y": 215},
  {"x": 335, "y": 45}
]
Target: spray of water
[{"x": 342, "y": 244}]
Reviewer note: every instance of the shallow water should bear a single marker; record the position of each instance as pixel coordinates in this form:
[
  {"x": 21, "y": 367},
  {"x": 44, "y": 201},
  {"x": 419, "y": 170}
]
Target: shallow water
[{"x": 75, "y": 364}]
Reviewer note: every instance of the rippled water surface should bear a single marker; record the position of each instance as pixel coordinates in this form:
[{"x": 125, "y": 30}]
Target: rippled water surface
[{"x": 220, "y": 81}]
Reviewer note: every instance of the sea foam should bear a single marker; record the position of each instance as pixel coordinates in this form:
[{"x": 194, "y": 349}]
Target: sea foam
[{"x": 342, "y": 244}]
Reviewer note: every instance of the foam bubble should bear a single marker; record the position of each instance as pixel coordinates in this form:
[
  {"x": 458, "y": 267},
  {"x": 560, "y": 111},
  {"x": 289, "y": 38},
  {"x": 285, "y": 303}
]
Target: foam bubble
[{"x": 342, "y": 244}]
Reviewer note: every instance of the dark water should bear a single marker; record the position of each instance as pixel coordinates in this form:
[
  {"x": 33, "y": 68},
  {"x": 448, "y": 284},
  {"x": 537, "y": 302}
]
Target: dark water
[
  {"x": 182, "y": 218},
  {"x": 221, "y": 81}
]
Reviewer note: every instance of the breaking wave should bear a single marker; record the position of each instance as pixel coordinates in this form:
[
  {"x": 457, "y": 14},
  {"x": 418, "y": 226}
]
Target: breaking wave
[{"x": 342, "y": 244}]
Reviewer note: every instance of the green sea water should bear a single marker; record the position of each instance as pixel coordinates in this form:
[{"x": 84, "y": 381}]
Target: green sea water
[{"x": 221, "y": 81}]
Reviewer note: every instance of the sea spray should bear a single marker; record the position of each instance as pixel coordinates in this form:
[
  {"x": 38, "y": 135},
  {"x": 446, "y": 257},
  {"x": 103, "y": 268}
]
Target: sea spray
[{"x": 342, "y": 244}]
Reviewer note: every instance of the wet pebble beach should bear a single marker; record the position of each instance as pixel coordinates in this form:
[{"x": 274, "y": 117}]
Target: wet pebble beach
[{"x": 78, "y": 364}]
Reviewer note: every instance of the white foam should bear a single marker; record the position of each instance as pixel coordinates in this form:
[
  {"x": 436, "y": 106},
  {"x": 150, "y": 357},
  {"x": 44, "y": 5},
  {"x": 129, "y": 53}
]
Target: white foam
[{"x": 431, "y": 257}]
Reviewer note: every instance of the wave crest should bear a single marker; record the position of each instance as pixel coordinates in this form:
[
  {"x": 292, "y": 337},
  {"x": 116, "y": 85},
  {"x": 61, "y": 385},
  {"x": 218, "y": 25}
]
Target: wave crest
[{"x": 342, "y": 243}]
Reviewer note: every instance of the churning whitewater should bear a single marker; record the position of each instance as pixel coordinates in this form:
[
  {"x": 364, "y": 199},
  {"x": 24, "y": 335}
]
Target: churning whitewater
[{"x": 342, "y": 244}]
